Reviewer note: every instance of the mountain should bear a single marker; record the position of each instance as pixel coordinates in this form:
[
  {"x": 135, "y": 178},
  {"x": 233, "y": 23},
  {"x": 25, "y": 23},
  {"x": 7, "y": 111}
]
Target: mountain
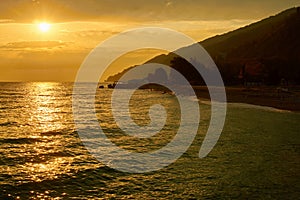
[{"x": 266, "y": 51}]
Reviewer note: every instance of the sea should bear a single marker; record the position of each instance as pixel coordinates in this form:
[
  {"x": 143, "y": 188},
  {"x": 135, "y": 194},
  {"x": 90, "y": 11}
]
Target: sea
[{"x": 42, "y": 155}]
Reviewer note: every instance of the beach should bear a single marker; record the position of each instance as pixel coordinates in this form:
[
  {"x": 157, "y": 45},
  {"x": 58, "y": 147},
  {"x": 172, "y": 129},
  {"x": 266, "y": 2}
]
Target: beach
[{"x": 271, "y": 96}]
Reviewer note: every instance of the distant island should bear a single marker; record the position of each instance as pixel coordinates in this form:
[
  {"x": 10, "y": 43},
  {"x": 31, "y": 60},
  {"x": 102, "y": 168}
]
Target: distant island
[{"x": 259, "y": 63}]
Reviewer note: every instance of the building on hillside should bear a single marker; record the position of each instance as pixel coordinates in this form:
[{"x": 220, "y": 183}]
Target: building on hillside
[{"x": 252, "y": 73}]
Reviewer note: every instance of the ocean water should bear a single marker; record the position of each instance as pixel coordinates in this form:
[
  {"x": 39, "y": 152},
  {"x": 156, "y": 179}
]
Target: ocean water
[{"x": 42, "y": 156}]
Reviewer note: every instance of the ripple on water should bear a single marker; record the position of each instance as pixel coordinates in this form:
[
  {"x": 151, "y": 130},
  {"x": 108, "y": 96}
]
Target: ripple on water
[{"x": 42, "y": 156}]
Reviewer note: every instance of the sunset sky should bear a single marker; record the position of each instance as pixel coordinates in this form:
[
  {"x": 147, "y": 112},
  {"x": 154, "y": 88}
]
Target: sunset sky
[{"x": 47, "y": 40}]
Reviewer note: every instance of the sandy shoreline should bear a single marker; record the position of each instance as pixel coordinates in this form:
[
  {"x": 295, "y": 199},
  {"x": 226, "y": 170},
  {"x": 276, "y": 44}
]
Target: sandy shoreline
[
  {"x": 263, "y": 96},
  {"x": 270, "y": 96}
]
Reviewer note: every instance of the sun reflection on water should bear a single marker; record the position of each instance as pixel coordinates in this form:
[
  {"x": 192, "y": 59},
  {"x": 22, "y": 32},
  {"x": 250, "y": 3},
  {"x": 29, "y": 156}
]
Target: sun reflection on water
[
  {"x": 39, "y": 141},
  {"x": 43, "y": 114},
  {"x": 50, "y": 146},
  {"x": 44, "y": 106},
  {"x": 50, "y": 170}
]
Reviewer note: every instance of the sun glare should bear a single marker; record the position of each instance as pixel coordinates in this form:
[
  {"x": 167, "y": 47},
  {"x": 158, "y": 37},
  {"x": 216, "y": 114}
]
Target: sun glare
[{"x": 44, "y": 27}]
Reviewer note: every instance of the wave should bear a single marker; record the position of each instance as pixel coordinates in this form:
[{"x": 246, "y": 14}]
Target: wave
[
  {"x": 259, "y": 107},
  {"x": 250, "y": 106},
  {"x": 8, "y": 124},
  {"x": 57, "y": 132},
  {"x": 19, "y": 140}
]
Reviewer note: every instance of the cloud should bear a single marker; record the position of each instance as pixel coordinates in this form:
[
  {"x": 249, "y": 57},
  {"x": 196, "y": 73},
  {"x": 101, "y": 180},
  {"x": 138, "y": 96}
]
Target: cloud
[
  {"x": 136, "y": 10},
  {"x": 89, "y": 32},
  {"x": 29, "y": 65},
  {"x": 6, "y": 21},
  {"x": 34, "y": 45}
]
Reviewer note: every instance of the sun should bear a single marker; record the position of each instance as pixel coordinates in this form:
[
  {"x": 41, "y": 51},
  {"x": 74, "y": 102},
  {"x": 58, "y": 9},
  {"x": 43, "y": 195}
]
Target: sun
[{"x": 44, "y": 26}]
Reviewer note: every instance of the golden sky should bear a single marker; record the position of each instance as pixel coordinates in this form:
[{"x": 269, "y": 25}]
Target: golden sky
[{"x": 47, "y": 40}]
